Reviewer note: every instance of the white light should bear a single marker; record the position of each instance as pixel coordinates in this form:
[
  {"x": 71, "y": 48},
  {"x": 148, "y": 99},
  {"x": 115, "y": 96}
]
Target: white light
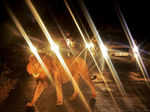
[
  {"x": 104, "y": 50},
  {"x": 33, "y": 49},
  {"x": 54, "y": 47},
  {"x": 89, "y": 45},
  {"x": 135, "y": 49}
]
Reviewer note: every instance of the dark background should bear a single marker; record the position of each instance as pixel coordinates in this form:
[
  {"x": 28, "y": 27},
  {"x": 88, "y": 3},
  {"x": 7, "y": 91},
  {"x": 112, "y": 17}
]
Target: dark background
[
  {"x": 102, "y": 12},
  {"x": 15, "y": 56}
]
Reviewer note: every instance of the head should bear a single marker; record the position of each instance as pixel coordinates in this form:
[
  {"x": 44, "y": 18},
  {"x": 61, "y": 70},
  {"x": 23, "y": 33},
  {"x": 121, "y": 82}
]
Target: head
[
  {"x": 67, "y": 34},
  {"x": 34, "y": 68}
]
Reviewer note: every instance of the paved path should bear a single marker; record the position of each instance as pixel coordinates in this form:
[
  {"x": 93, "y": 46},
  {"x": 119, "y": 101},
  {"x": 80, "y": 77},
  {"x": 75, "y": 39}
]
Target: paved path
[{"x": 138, "y": 99}]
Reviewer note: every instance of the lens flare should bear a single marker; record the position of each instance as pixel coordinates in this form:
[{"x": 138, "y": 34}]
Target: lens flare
[
  {"x": 132, "y": 44},
  {"x": 89, "y": 45},
  {"x": 68, "y": 41},
  {"x": 51, "y": 42},
  {"x": 55, "y": 48},
  {"x": 31, "y": 46},
  {"x": 103, "y": 49}
]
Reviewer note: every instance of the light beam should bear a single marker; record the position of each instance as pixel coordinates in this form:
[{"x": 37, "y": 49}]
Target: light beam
[
  {"x": 51, "y": 42},
  {"x": 103, "y": 49},
  {"x": 132, "y": 44},
  {"x": 31, "y": 46},
  {"x": 89, "y": 49}
]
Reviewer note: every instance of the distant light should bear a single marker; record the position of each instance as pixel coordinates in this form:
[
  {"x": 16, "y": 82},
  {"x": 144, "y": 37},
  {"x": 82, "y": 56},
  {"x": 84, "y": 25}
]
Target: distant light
[
  {"x": 89, "y": 45},
  {"x": 54, "y": 47},
  {"x": 33, "y": 49},
  {"x": 104, "y": 50},
  {"x": 29, "y": 43},
  {"x": 135, "y": 49}
]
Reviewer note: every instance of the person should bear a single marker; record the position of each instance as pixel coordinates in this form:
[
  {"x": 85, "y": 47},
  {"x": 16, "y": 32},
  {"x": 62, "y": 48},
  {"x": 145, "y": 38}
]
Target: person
[
  {"x": 69, "y": 43},
  {"x": 69, "y": 40}
]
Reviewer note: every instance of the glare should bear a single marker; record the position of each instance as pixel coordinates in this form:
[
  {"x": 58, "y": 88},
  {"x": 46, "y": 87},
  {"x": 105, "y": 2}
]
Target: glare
[
  {"x": 54, "y": 47},
  {"x": 89, "y": 45},
  {"x": 90, "y": 51},
  {"x": 33, "y": 49},
  {"x": 31, "y": 46},
  {"x": 135, "y": 52},
  {"x": 135, "y": 49},
  {"x": 132, "y": 44},
  {"x": 104, "y": 50}
]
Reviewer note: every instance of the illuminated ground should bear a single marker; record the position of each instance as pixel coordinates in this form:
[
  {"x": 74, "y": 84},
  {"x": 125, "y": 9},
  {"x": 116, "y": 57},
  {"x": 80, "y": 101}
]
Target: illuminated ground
[
  {"x": 137, "y": 100},
  {"x": 14, "y": 54}
]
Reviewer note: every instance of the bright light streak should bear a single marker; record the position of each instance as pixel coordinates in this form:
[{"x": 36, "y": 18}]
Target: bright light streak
[
  {"x": 78, "y": 55},
  {"x": 105, "y": 49},
  {"x": 55, "y": 48},
  {"x": 101, "y": 61},
  {"x": 132, "y": 44},
  {"x": 89, "y": 45},
  {"x": 69, "y": 42},
  {"x": 101, "y": 46},
  {"x": 139, "y": 61},
  {"x": 135, "y": 49},
  {"x": 135, "y": 52},
  {"x": 32, "y": 48},
  {"x": 51, "y": 42}
]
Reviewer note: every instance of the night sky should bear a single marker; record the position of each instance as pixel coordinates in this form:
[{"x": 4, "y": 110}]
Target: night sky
[
  {"x": 102, "y": 12},
  {"x": 135, "y": 12}
]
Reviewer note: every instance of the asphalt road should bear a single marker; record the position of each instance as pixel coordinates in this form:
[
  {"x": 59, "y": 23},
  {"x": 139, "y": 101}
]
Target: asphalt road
[
  {"x": 107, "y": 100},
  {"x": 137, "y": 99}
]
